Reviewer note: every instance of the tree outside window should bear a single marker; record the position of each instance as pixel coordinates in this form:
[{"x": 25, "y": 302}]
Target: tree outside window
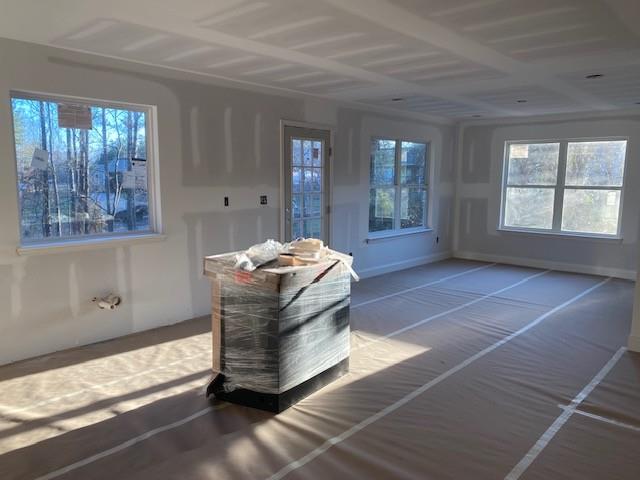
[
  {"x": 80, "y": 177},
  {"x": 564, "y": 186}
]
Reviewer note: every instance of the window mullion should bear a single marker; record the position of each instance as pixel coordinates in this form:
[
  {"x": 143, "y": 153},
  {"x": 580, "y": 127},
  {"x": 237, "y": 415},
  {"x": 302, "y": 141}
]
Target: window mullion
[
  {"x": 559, "y": 191},
  {"x": 398, "y": 200},
  {"x": 505, "y": 184},
  {"x": 426, "y": 204}
]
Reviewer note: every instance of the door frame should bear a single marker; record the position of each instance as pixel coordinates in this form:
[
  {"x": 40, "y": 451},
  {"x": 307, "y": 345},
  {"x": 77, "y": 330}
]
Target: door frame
[{"x": 329, "y": 214}]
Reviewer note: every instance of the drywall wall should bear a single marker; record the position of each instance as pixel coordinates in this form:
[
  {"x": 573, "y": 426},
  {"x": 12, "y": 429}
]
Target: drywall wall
[
  {"x": 634, "y": 336},
  {"x": 478, "y": 199},
  {"x": 214, "y": 141},
  {"x": 351, "y": 185}
]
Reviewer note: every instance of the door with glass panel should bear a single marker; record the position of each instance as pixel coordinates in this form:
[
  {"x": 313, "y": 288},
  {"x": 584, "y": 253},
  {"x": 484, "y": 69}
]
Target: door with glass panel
[{"x": 306, "y": 182}]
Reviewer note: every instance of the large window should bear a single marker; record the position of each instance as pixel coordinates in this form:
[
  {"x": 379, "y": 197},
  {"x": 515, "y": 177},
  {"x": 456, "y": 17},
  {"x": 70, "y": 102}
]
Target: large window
[
  {"x": 398, "y": 185},
  {"x": 572, "y": 187},
  {"x": 82, "y": 167}
]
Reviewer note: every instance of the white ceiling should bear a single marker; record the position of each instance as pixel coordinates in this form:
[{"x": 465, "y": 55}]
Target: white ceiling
[{"x": 454, "y": 59}]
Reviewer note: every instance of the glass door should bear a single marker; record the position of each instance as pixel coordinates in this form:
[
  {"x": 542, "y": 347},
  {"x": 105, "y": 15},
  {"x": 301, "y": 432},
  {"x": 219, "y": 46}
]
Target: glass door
[{"x": 306, "y": 175}]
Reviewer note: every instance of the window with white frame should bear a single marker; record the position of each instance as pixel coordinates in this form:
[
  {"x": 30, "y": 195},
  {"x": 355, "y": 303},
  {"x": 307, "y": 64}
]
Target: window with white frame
[
  {"x": 83, "y": 168},
  {"x": 565, "y": 186},
  {"x": 399, "y": 178}
]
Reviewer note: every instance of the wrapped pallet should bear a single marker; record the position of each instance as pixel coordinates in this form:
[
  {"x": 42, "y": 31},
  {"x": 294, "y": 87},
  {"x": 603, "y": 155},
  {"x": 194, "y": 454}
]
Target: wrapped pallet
[{"x": 280, "y": 331}]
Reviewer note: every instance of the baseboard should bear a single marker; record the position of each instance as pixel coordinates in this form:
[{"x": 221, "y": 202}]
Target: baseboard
[
  {"x": 395, "y": 266},
  {"x": 634, "y": 343},
  {"x": 561, "y": 266}
]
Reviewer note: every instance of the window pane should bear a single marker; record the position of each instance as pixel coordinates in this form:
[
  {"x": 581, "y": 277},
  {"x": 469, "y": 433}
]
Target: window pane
[
  {"x": 312, "y": 205},
  {"x": 316, "y": 180},
  {"x": 591, "y": 211},
  {"x": 413, "y": 163},
  {"x": 595, "y": 163},
  {"x": 312, "y": 228},
  {"x": 529, "y": 207},
  {"x": 412, "y": 207},
  {"x": 383, "y": 162},
  {"x": 381, "y": 209},
  {"x": 533, "y": 164},
  {"x": 297, "y": 230},
  {"x": 312, "y": 180},
  {"x": 296, "y": 206},
  {"x": 296, "y": 150},
  {"x": 296, "y": 180},
  {"x": 316, "y": 154},
  {"x": 307, "y": 153},
  {"x": 81, "y": 173}
]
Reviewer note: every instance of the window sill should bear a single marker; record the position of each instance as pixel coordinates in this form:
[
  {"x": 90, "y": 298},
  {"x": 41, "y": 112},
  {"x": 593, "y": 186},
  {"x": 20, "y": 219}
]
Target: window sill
[
  {"x": 375, "y": 237},
  {"x": 566, "y": 235},
  {"x": 88, "y": 244}
]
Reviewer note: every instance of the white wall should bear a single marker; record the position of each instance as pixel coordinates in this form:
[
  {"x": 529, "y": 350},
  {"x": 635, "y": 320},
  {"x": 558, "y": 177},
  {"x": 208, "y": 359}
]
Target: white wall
[
  {"x": 478, "y": 200},
  {"x": 352, "y": 186},
  {"x": 634, "y": 336},
  {"x": 214, "y": 141}
]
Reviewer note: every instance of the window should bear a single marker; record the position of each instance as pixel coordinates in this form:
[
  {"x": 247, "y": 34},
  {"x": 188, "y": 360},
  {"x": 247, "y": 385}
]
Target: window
[
  {"x": 398, "y": 185},
  {"x": 82, "y": 168},
  {"x": 564, "y": 186},
  {"x": 307, "y": 184}
]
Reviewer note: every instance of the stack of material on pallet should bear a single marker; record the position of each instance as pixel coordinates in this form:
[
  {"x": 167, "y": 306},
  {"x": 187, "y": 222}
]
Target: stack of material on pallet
[{"x": 280, "y": 329}]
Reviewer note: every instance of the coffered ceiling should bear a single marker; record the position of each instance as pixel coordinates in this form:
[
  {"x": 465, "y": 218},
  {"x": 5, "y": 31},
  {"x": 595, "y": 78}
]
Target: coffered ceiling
[{"x": 455, "y": 59}]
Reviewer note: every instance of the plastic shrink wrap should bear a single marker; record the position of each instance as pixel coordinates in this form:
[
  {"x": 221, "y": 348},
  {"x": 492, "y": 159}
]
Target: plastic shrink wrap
[{"x": 276, "y": 326}]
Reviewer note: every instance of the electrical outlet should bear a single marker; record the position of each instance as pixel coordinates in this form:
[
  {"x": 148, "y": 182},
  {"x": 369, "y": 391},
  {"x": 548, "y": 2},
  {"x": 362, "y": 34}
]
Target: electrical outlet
[
  {"x": 263, "y": 199},
  {"x": 226, "y": 201}
]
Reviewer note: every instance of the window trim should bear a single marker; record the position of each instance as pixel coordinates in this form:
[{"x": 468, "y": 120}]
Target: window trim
[
  {"x": 155, "y": 230},
  {"x": 398, "y": 231},
  {"x": 93, "y": 243},
  {"x": 392, "y": 234},
  {"x": 559, "y": 188}
]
